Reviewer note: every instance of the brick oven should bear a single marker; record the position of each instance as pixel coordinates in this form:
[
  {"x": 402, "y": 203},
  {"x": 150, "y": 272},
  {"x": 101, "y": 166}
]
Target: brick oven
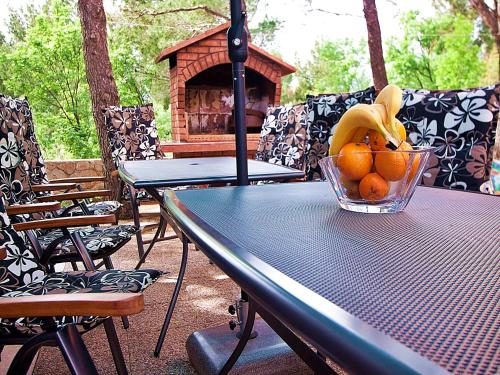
[{"x": 201, "y": 94}]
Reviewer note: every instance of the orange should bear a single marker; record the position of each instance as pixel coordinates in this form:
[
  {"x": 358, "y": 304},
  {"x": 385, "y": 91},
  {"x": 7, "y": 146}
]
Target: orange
[
  {"x": 373, "y": 187},
  {"x": 415, "y": 162},
  {"x": 377, "y": 141},
  {"x": 351, "y": 188},
  {"x": 391, "y": 165},
  {"x": 355, "y": 161}
]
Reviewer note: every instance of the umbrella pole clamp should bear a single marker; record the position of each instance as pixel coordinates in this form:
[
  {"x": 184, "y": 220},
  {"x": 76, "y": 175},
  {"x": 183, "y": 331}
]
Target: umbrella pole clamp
[{"x": 240, "y": 309}]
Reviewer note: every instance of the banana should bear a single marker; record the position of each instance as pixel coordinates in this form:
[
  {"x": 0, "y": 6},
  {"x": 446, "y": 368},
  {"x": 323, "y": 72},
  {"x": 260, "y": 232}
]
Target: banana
[
  {"x": 361, "y": 115},
  {"x": 390, "y": 97}
]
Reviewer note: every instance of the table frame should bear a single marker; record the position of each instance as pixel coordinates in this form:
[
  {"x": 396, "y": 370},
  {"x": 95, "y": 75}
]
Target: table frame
[
  {"x": 165, "y": 219},
  {"x": 359, "y": 347}
]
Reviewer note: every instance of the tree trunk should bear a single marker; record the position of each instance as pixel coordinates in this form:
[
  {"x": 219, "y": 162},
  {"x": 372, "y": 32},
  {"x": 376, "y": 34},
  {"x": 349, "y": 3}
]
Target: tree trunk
[
  {"x": 491, "y": 18},
  {"x": 375, "y": 44},
  {"x": 103, "y": 91}
]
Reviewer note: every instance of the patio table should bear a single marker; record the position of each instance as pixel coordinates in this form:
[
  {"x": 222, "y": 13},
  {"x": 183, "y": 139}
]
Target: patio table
[
  {"x": 413, "y": 292},
  {"x": 153, "y": 175}
]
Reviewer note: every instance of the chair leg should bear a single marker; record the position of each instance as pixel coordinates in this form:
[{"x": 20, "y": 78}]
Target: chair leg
[
  {"x": 108, "y": 263},
  {"x": 137, "y": 222},
  {"x": 114, "y": 345},
  {"x": 74, "y": 351},
  {"x": 74, "y": 266},
  {"x": 157, "y": 234},
  {"x": 24, "y": 357},
  {"x": 163, "y": 229}
]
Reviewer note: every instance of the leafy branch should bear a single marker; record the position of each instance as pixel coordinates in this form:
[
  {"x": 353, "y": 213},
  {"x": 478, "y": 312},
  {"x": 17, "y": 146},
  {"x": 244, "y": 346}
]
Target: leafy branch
[{"x": 204, "y": 8}]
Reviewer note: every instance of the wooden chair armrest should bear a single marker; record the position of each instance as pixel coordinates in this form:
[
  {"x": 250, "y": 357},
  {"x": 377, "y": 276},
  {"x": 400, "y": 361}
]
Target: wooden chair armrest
[
  {"x": 20, "y": 209},
  {"x": 3, "y": 253},
  {"x": 65, "y": 222},
  {"x": 53, "y": 187},
  {"x": 78, "y": 180},
  {"x": 74, "y": 304},
  {"x": 75, "y": 195}
]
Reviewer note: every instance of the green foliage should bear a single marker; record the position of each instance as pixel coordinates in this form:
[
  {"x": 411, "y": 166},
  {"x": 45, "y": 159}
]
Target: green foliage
[
  {"x": 435, "y": 53},
  {"x": 263, "y": 34},
  {"x": 335, "y": 66},
  {"x": 46, "y": 64},
  {"x": 42, "y": 59}
]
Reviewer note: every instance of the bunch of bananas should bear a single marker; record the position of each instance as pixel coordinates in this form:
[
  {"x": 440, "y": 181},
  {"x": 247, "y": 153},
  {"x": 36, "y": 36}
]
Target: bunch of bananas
[{"x": 379, "y": 117}]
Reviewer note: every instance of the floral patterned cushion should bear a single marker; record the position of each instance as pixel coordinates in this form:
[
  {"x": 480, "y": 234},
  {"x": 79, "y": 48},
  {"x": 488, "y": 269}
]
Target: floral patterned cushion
[
  {"x": 16, "y": 117},
  {"x": 461, "y": 125},
  {"x": 132, "y": 133},
  {"x": 110, "y": 281},
  {"x": 95, "y": 208},
  {"x": 14, "y": 172},
  {"x": 20, "y": 266},
  {"x": 283, "y": 136},
  {"x": 21, "y": 274},
  {"x": 324, "y": 112},
  {"x": 99, "y": 242}
]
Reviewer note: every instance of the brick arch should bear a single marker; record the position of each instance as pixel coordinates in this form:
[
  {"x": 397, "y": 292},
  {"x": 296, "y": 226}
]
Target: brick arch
[{"x": 211, "y": 60}]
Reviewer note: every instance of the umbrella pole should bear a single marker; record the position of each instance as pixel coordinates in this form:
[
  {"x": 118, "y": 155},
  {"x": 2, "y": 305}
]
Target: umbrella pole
[
  {"x": 237, "y": 45},
  {"x": 240, "y": 123}
]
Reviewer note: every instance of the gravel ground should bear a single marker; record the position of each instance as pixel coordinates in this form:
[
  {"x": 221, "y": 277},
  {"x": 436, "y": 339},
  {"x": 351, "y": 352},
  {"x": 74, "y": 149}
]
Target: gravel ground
[
  {"x": 205, "y": 295},
  {"x": 206, "y": 292}
]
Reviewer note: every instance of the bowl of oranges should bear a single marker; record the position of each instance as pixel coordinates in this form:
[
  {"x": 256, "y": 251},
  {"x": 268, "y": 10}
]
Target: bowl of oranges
[{"x": 375, "y": 180}]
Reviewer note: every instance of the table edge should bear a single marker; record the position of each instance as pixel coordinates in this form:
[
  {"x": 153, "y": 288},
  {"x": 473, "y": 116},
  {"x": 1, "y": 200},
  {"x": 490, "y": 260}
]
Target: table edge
[
  {"x": 356, "y": 342},
  {"x": 138, "y": 184}
]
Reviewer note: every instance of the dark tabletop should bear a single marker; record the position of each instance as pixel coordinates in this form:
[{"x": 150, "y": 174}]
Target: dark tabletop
[
  {"x": 428, "y": 277},
  {"x": 194, "y": 171}
]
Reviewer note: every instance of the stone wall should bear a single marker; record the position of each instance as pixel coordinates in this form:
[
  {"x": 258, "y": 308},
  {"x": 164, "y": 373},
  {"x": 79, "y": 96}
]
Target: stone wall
[{"x": 76, "y": 168}]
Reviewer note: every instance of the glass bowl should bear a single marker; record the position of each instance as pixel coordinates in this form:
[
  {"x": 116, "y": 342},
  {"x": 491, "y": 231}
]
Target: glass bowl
[{"x": 388, "y": 191}]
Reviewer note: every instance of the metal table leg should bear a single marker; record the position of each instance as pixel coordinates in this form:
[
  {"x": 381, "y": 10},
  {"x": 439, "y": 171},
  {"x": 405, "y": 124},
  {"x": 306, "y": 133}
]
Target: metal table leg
[{"x": 177, "y": 289}]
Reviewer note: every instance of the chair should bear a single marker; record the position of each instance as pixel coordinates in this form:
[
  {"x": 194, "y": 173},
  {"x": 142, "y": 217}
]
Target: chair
[
  {"x": 324, "y": 112},
  {"x": 132, "y": 135},
  {"x": 17, "y": 118},
  {"x": 41, "y": 308},
  {"x": 461, "y": 125},
  {"x": 283, "y": 136},
  {"x": 54, "y": 246}
]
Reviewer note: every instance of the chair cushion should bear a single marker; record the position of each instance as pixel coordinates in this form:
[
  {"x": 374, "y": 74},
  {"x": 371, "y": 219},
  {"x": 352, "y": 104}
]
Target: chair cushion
[
  {"x": 283, "y": 136},
  {"x": 110, "y": 281},
  {"x": 15, "y": 113},
  {"x": 461, "y": 125},
  {"x": 14, "y": 171},
  {"x": 132, "y": 133},
  {"x": 95, "y": 208},
  {"x": 99, "y": 241},
  {"x": 324, "y": 112}
]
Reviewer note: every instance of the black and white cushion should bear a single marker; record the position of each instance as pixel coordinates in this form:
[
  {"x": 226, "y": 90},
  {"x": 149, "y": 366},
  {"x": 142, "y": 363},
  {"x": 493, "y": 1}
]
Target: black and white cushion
[
  {"x": 21, "y": 274},
  {"x": 99, "y": 241},
  {"x": 132, "y": 133},
  {"x": 283, "y": 136},
  {"x": 461, "y": 125},
  {"x": 16, "y": 122},
  {"x": 95, "y": 208}
]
